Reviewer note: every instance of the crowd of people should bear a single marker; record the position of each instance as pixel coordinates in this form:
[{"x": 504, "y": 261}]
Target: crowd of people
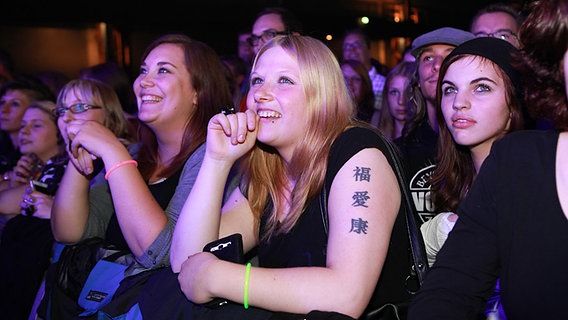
[{"x": 287, "y": 144}]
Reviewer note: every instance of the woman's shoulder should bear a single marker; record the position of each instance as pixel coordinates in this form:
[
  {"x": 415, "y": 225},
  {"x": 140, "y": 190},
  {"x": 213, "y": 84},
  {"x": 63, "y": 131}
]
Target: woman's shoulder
[
  {"x": 352, "y": 141},
  {"x": 196, "y": 156},
  {"x": 528, "y": 141},
  {"x": 360, "y": 136}
]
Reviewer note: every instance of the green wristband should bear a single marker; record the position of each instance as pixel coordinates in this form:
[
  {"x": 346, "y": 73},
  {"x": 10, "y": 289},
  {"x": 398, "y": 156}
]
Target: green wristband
[{"x": 246, "y": 288}]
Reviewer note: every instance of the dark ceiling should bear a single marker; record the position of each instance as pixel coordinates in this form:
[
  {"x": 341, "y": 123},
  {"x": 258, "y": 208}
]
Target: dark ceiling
[{"x": 215, "y": 21}]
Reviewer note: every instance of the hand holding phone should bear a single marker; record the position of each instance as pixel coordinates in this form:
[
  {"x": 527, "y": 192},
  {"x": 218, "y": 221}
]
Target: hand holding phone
[
  {"x": 28, "y": 205},
  {"x": 41, "y": 187},
  {"x": 229, "y": 248}
]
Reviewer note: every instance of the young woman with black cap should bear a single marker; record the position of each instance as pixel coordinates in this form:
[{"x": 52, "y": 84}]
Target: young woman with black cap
[{"x": 512, "y": 224}]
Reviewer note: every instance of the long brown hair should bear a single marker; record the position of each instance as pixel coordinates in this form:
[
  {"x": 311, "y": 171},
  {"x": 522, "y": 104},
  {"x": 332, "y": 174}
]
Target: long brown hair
[
  {"x": 208, "y": 79},
  {"x": 455, "y": 170}
]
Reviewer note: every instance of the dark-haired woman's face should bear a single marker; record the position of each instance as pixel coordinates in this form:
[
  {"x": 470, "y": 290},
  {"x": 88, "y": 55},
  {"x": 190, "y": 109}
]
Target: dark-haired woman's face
[
  {"x": 474, "y": 102},
  {"x": 164, "y": 91}
]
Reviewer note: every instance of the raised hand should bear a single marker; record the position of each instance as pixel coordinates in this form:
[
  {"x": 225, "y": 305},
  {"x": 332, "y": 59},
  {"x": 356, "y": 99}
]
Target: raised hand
[{"x": 230, "y": 136}]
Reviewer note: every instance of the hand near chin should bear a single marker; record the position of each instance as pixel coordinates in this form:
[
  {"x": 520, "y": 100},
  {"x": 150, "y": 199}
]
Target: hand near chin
[
  {"x": 88, "y": 143},
  {"x": 230, "y": 136},
  {"x": 84, "y": 161}
]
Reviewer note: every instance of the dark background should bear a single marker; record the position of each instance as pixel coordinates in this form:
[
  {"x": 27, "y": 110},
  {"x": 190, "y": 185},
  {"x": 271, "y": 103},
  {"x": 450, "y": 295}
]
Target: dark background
[{"x": 218, "y": 21}]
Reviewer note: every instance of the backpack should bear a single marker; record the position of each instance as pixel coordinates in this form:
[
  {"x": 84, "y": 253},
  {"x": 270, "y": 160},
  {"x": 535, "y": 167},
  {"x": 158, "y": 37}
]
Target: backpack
[{"x": 83, "y": 279}]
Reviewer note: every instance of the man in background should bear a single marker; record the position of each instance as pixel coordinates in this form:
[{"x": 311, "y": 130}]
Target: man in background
[
  {"x": 419, "y": 140},
  {"x": 499, "y": 21},
  {"x": 269, "y": 23}
]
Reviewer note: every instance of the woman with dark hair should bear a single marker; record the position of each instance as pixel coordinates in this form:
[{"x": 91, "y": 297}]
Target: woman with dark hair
[
  {"x": 472, "y": 117},
  {"x": 512, "y": 224},
  {"x": 181, "y": 85},
  {"x": 361, "y": 88},
  {"x": 480, "y": 98}
]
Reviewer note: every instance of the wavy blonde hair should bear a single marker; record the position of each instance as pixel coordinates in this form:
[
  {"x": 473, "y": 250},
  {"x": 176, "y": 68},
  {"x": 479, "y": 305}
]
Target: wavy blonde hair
[{"x": 330, "y": 111}]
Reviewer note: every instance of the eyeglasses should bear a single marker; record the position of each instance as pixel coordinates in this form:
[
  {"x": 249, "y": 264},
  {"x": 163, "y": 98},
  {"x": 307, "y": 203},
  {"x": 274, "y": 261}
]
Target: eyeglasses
[
  {"x": 503, "y": 34},
  {"x": 265, "y": 36},
  {"x": 75, "y": 108},
  {"x": 353, "y": 46}
]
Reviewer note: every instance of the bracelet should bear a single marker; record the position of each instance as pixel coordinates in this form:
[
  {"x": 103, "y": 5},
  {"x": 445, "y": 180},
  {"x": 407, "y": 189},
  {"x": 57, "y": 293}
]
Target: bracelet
[
  {"x": 118, "y": 165},
  {"x": 246, "y": 289}
]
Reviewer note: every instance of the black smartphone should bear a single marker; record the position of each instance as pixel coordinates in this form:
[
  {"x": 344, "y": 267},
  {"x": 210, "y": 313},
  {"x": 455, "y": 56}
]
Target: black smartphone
[
  {"x": 41, "y": 187},
  {"x": 229, "y": 248}
]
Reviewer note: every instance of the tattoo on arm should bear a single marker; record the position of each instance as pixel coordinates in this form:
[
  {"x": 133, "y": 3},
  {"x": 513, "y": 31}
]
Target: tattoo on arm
[
  {"x": 362, "y": 174},
  {"x": 360, "y": 199},
  {"x": 359, "y": 226}
]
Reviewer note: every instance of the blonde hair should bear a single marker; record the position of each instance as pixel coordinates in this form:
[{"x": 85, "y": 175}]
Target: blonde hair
[
  {"x": 100, "y": 94},
  {"x": 330, "y": 111}
]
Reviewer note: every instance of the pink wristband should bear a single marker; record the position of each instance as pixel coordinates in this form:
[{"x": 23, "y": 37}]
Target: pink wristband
[{"x": 118, "y": 165}]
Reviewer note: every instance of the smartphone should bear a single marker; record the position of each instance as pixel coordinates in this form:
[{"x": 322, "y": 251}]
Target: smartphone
[
  {"x": 41, "y": 187},
  {"x": 229, "y": 248}
]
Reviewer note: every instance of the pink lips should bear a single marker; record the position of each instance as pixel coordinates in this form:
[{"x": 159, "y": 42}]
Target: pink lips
[{"x": 462, "y": 122}]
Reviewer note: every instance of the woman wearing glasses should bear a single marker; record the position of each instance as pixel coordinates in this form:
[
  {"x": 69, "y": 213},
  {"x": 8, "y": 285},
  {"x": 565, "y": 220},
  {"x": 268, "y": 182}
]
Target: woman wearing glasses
[{"x": 181, "y": 85}]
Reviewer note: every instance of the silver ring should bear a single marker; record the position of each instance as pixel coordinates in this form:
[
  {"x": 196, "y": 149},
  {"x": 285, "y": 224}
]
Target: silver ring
[{"x": 29, "y": 200}]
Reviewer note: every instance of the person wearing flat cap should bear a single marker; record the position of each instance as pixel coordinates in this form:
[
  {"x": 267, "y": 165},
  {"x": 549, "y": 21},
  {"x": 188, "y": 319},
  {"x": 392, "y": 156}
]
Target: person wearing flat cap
[{"x": 418, "y": 142}]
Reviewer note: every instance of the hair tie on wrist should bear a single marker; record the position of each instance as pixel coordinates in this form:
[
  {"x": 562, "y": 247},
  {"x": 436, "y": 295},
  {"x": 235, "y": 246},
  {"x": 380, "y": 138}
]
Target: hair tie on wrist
[{"x": 120, "y": 164}]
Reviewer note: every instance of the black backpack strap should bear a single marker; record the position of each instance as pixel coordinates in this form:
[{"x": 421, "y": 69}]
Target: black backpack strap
[{"x": 417, "y": 247}]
